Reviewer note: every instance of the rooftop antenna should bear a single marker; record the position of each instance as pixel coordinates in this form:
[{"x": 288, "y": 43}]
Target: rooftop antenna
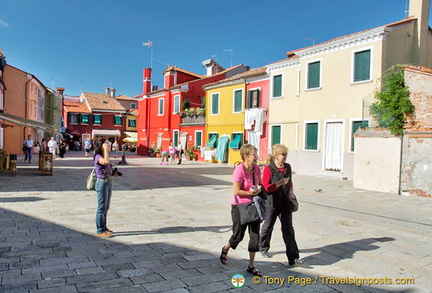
[
  {"x": 53, "y": 82},
  {"x": 150, "y": 45},
  {"x": 310, "y": 39},
  {"x": 232, "y": 52}
]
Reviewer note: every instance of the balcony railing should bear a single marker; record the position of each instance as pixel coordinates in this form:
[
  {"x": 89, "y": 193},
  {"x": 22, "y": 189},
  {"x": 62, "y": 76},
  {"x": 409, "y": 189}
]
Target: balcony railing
[{"x": 193, "y": 120}]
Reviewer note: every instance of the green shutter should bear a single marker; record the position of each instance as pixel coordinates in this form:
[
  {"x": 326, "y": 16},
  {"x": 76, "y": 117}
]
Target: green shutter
[
  {"x": 97, "y": 119},
  {"x": 277, "y": 86},
  {"x": 314, "y": 75},
  {"x": 275, "y": 135},
  {"x": 356, "y": 125},
  {"x": 215, "y": 104},
  {"x": 238, "y": 100},
  {"x": 175, "y": 138},
  {"x": 362, "y": 65},
  {"x": 312, "y": 136},
  {"x": 198, "y": 139},
  {"x": 249, "y": 100}
]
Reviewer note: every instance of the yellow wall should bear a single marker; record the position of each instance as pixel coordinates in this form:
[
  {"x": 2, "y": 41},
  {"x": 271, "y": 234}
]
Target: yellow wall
[{"x": 226, "y": 122}]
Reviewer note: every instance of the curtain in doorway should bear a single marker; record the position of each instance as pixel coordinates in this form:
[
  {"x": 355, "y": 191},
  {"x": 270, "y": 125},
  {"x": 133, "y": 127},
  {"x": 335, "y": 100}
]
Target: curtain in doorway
[{"x": 333, "y": 147}]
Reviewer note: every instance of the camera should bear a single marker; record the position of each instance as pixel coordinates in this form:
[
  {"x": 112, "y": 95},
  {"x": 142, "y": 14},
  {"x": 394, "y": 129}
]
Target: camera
[{"x": 115, "y": 172}]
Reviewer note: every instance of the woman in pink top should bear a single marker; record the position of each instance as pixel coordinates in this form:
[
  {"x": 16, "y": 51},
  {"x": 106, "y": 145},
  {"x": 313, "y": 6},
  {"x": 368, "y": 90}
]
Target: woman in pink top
[{"x": 246, "y": 184}]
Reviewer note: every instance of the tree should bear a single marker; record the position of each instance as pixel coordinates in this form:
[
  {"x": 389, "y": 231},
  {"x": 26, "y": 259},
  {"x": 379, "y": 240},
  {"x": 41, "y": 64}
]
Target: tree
[{"x": 393, "y": 103}]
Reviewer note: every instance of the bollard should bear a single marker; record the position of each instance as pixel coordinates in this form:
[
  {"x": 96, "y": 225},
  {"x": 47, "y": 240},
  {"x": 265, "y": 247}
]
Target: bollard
[{"x": 123, "y": 160}]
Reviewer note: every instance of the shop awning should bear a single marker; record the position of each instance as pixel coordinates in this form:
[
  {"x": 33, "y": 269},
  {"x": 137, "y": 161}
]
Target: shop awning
[
  {"x": 102, "y": 132},
  {"x": 235, "y": 143},
  {"x": 222, "y": 148},
  {"x": 25, "y": 122},
  {"x": 131, "y": 134},
  {"x": 212, "y": 142},
  {"x": 129, "y": 139}
]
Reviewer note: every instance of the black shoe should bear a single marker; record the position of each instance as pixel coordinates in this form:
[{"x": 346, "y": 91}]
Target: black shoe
[
  {"x": 295, "y": 262},
  {"x": 266, "y": 254}
]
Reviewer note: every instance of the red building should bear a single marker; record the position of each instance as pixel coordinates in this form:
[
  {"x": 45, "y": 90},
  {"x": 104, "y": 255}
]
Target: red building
[
  {"x": 159, "y": 122},
  {"x": 95, "y": 115}
]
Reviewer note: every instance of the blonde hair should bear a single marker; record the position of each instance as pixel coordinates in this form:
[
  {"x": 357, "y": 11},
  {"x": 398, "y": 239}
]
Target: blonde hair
[
  {"x": 247, "y": 149},
  {"x": 276, "y": 150}
]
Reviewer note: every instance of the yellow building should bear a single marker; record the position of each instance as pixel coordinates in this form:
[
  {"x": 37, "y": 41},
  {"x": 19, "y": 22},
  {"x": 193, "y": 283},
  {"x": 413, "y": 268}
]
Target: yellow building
[
  {"x": 320, "y": 95},
  {"x": 225, "y": 119}
]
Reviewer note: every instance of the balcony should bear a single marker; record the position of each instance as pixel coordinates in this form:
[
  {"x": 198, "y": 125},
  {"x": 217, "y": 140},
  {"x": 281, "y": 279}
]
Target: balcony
[{"x": 192, "y": 120}]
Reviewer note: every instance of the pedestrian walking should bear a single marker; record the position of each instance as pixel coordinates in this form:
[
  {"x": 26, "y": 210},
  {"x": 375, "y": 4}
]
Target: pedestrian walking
[
  {"x": 115, "y": 148},
  {"x": 53, "y": 147},
  {"x": 27, "y": 148},
  {"x": 180, "y": 152},
  {"x": 245, "y": 177},
  {"x": 62, "y": 148},
  {"x": 277, "y": 182},
  {"x": 87, "y": 147}
]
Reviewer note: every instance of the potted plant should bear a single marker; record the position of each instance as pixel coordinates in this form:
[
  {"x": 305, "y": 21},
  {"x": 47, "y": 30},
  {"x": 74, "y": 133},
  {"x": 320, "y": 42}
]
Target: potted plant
[{"x": 158, "y": 152}]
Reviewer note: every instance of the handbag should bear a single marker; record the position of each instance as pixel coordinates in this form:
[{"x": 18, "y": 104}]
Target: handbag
[
  {"x": 293, "y": 204},
  {"x": 248, "y": 212},
  {"x": 91, "y": 180}
]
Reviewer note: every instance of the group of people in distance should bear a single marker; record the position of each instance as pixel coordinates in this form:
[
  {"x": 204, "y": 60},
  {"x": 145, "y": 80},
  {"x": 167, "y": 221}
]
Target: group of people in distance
[
  {"x": 277, "y": 182},
  {"x": 52, "y": 146}
]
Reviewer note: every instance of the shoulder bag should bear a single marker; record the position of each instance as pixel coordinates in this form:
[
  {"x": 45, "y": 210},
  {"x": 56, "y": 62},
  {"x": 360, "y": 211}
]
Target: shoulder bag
[
  {"x": 293, "y": 204},
  {"x": 249, "y": 211},
  {"x": 91, "y": 180}
]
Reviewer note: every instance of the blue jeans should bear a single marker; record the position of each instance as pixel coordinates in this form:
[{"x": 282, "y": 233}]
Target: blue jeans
[
  {"x": 104, "y": 191},
  {"x": 28, "y": 154}
]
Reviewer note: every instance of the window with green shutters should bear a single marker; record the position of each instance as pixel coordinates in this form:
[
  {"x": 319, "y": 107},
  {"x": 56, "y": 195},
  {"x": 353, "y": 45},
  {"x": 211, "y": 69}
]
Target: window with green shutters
[
  {"x": 117, "y": 120},
  {"x": 97, "y": 119},
  {"x": 198, "y": 138},
  {"x": 275, "y": 134},
  {"x": 314, "y": 69},
  {"x": 176, "y": 104},
  {"x": 84, "y": 118},
  {"x": 132, "y": 123},
  {"x": 175, "y": 137},
  {"x": 253, "y": 100},
  {"x": 355, "y": 126},
  {"x": 161, "y": 107},
  {"x": 73, "y": 118},
  {"x": 215, "y": 104},
  {"x": 362, "y": 65},
  {"x": 311, "y": 142},
  {"x": 277, "y": 86},
  {"x": 238, "y": 97}
]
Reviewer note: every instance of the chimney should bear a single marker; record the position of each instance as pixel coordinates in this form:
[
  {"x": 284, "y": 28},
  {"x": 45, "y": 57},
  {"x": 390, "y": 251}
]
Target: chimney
[
  {"x": 60, "y": 90},
  {"x": 110, "y": 91},
  {"x": 169, "y": 77},
  {"x": 212, "y": 67},
  {"x": 147, "y": 80}
]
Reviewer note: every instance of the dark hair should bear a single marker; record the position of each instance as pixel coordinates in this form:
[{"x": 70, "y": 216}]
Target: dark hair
[{"x": 98, "y": 147}]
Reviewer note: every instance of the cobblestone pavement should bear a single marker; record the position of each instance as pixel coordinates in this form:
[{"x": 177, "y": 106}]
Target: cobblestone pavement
[{"x": 170, "y": 223}]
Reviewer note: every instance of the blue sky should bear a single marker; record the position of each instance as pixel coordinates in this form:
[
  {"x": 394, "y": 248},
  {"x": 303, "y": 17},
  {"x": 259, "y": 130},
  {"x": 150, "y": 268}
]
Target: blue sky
[{"x": 89, "y": 45}]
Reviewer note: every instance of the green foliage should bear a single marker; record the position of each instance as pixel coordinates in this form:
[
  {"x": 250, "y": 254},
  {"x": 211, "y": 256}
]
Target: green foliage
[
  {"x": 393, "y": 103},
  {"x": 185, "y": 104}
]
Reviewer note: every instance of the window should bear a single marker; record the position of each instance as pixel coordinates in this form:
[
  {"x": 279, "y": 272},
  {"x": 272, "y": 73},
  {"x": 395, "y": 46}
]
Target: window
[
  {"x": 238, "y": 97},
  {"x": 215, "y": 104},
  {"x": 311, "y": 135},
  {"x": 73, "y": 118},
  {"x": 133, "y": 105},
  {"x": 362, "y": 65},
  {"x": 275, "y": 134},
  {"x": 131, "y": 123},
  {"x": 175, "y": 137},
  {"x": 176, "y": 104},
  {"x": 277, "y": 86},
  {"x": 117, "y": 120},
  {"x": 198, "y": 138},
  {"x": 253, "y": 100},
  {"x": 314, "y": 75},
  {"x": 97, "y": 119},
  {"x": 354, "y": 127},
  {"x": 212, "y": 138},
  {"x": 84, "y": 118},
  {"x": 236, "y": 140},
  {"x": 161, "y": 107}
]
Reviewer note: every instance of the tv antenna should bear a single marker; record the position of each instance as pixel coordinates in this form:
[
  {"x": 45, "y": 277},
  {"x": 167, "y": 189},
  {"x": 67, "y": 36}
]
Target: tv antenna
[
  {"x": 150, "y": 45},
  {"x": 232, "y": 52}
]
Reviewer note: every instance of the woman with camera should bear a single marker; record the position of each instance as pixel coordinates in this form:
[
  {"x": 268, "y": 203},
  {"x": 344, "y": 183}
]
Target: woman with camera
[{"x": 104, "y": 173}]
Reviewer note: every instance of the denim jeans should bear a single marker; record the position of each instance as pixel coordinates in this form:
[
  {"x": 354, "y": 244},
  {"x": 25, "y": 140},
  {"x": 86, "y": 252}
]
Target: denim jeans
[
  {"x": 28, "y": 154},
  {"x": 104, "y": 191}
]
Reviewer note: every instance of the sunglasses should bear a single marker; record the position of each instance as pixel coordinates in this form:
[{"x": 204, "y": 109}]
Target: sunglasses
[{"x": 284, "y": 154}]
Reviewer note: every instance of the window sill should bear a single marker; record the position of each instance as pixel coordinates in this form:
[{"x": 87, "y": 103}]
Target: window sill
[
  {"x": 313, "y": 89},
  {"x": 361, "y": 82},
  {"x": 276, "y": 98}
]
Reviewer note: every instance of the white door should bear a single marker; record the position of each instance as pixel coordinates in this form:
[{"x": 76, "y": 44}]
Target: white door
[{"x": 333, "y": 146}]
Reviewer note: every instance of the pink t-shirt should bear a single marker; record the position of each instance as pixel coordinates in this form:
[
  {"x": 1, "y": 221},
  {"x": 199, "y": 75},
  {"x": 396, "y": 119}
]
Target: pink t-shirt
[{"x": 240, "y": 175}]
